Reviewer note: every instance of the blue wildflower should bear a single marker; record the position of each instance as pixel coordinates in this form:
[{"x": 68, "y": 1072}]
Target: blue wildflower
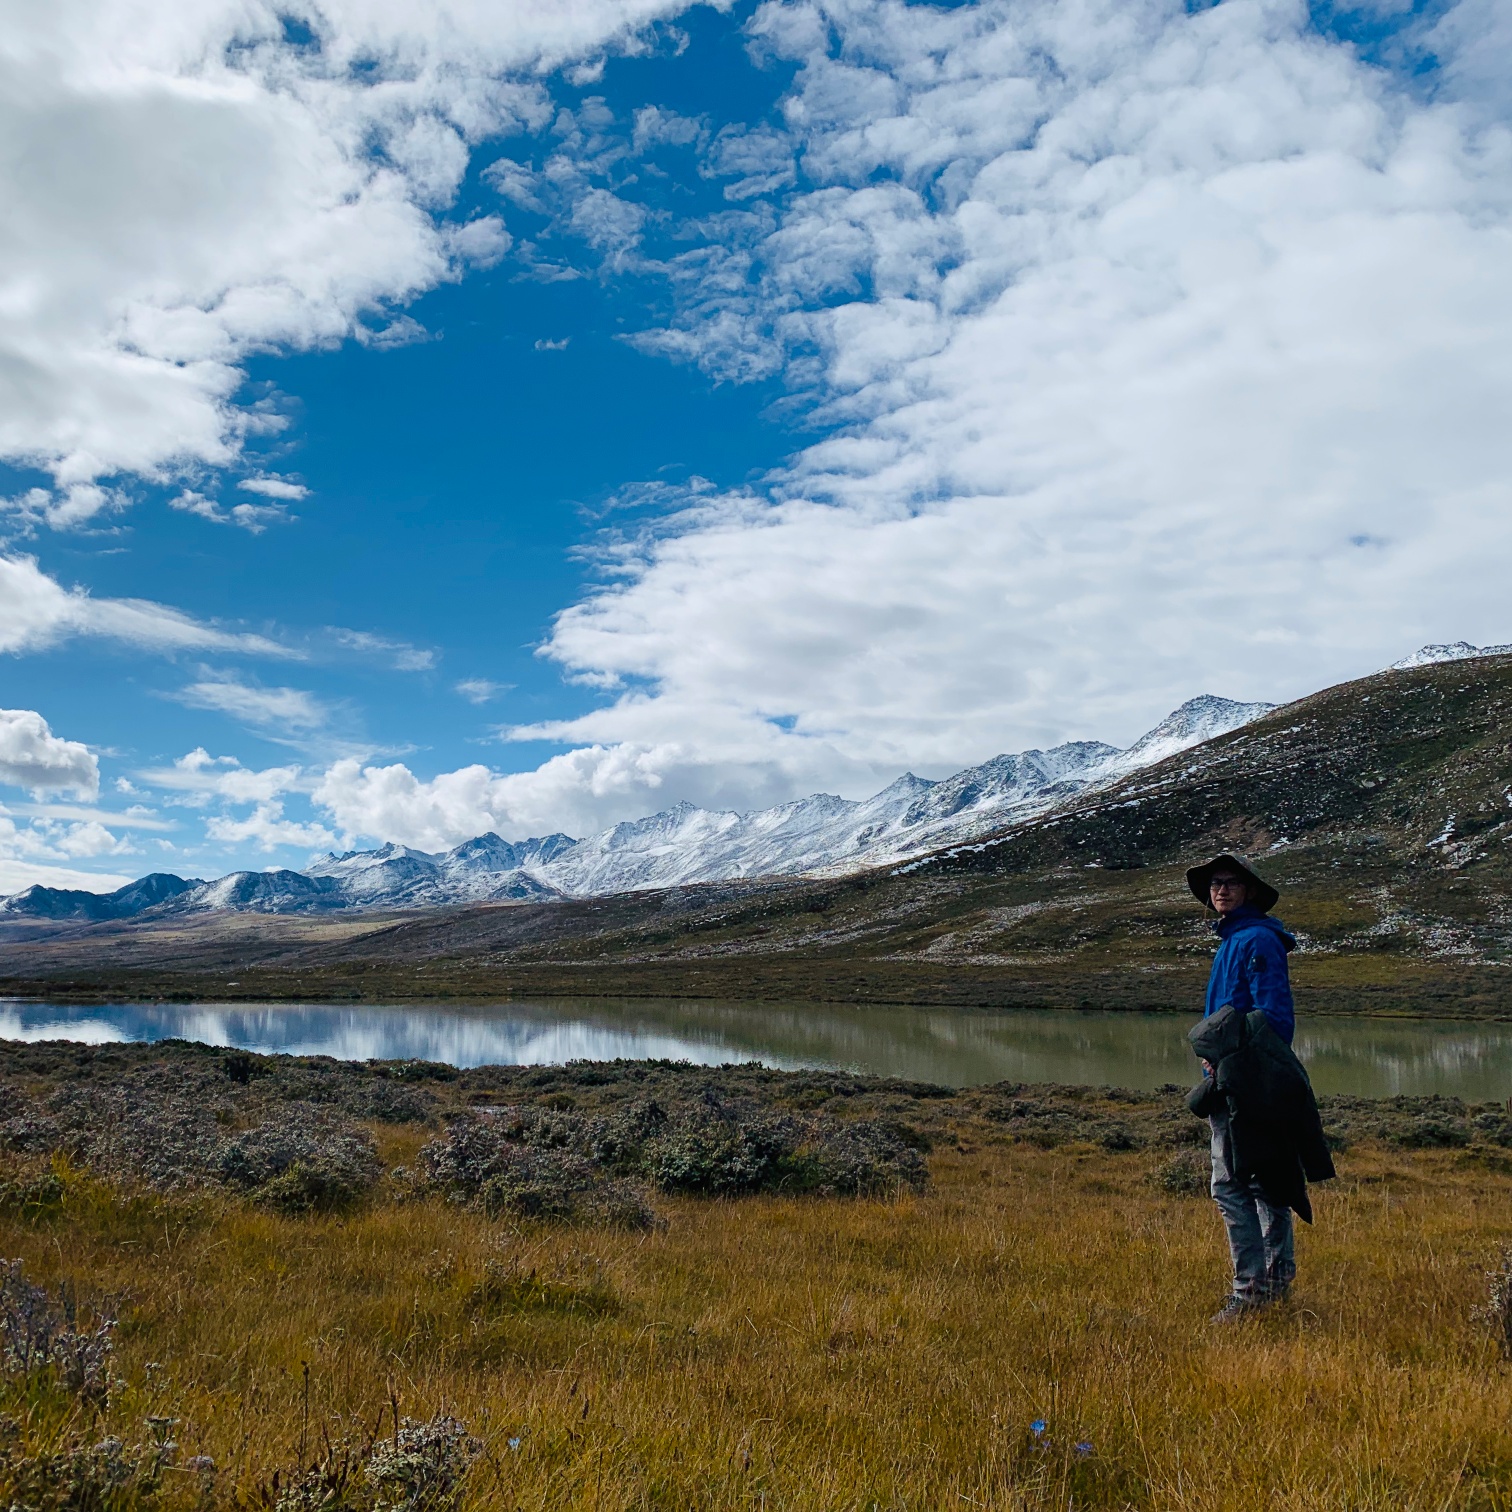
[
  {"x": 1037, "y": 1427},
  {"x": 1083, "y": 1449}
]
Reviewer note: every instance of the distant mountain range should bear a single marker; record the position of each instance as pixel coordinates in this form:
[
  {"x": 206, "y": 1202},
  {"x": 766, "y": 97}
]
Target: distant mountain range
[
  {"x": 818, "y": 836},
  {"x": 1377, "y": 807},
  {"x": 821, "y": 835}
]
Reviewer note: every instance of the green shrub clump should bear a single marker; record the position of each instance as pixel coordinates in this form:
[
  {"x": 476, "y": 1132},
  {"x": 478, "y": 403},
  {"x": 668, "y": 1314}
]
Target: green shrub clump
[{"x": 558, "y": 1165}]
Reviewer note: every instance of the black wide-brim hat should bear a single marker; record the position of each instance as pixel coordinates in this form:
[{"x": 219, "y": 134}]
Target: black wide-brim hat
[{"x": 1261, "y": 894}]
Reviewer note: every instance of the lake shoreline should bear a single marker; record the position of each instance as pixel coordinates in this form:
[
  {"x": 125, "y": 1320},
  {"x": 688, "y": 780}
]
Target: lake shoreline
[
  {"x": 1361, "y": 1056},
  {"x": 1409, "y": 1000}
]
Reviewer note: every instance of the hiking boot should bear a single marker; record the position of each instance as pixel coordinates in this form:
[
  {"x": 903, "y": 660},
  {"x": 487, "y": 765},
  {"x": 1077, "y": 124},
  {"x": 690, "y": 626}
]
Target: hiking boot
[{"x": 1236, "y": 1308}]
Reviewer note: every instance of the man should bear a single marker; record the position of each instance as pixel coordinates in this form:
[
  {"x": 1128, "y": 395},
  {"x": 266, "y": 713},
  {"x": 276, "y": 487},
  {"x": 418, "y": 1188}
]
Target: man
[{"x": 1249, "y": 972}]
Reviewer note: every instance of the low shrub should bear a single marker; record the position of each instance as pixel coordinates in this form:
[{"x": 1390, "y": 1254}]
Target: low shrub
[
  {"x": 555, "y": 1186},
  {"x": 390, "y": 1104},
  {"x": 178, "y": 1134},
  {"x": 81, "y": 1477},
  {"x": 301, "y": 1164},
  {"x": 1185, "y": 1174},
  {"x": 164, "y": 1137},
  {"x": 712, "y": 1158},
  {"x": 618, "y": 1143},
  {"x": 1430, "y": 1134},
  {"x": 558, "y": 1165},
  {"x": 241, "y": 1067},
  {"x": 1496, "y": 1127},
  {"x": 868, "y": 1159},
  {"x": 301, "y": 1190},
  {"x": 486, "y": 1162},
  {"x": 419, "y": 1469},
  {"x": 1049, "y": 1124},
  {"x": 422, "y": 1466},
  {"x": 42, "y": 1336}
]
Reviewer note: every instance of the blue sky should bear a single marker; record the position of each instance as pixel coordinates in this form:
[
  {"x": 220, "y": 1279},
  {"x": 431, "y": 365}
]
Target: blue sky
[{"x": 526, "y": 421}]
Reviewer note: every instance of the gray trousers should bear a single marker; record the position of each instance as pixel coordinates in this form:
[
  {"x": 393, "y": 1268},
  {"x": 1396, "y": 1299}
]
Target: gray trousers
[{"x": 1260, "y": 1237}]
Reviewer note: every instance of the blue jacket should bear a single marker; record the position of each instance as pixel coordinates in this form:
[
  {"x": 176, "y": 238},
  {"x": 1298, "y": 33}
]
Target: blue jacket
[{"x": 1249, "y": 970}]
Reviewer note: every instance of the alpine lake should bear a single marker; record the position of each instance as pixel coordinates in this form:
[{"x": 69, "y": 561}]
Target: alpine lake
[{"x": 1365, "y": 1057}]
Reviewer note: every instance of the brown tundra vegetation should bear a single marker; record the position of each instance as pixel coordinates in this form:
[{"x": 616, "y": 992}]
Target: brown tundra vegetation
[{"x": 232, "y": 1281}]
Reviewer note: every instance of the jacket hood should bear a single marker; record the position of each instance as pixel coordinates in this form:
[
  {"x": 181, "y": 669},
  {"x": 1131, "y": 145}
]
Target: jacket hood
[
  {"x": 1217, "y": 1035},
  {"x": 1228, "y": 1030},
  {"x": 1250, "y": 917}
]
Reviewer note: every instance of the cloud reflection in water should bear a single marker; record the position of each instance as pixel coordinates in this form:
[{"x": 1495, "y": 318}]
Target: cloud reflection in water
[{"x": 1368, "y": 1057}]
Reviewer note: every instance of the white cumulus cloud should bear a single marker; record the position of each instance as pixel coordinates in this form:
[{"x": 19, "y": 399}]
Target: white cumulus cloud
[
  {"x": 30, "y": 853},
  {"x": 192, "y": 183},
  {"x": 200, "y": 778},
  {"x": 248, "y": 803},
  {"x": 1157, "y": 350},
  {"x": 391, "y": 803},
  {"x": 18, "y": 873},
  {"x": 89, "y": 839},
  {"x": 275, "y": 488},
  {"x": 31, "y": 756},
  {"x": 579, "y": 791},
  {"x": 267, "y": 829}
]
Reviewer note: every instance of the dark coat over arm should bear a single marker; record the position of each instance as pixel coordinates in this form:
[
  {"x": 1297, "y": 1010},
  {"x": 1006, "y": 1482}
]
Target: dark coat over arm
[{"x": 1273, "y": 1116}]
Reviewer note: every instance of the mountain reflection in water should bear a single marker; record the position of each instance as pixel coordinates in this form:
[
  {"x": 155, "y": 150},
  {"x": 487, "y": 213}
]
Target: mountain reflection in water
[{"x": 952, "y": 1047}]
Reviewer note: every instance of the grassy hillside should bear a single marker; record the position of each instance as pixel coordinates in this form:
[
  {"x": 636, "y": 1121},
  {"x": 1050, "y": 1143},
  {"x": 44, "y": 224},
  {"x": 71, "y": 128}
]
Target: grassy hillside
[
  {"x": 1379, "y": 807},
  {"x": 1026, "y": 1331}
]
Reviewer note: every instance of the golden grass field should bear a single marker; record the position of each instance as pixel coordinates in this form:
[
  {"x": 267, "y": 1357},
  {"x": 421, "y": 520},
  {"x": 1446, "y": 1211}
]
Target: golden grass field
[{"x": 810, "y": 1353}]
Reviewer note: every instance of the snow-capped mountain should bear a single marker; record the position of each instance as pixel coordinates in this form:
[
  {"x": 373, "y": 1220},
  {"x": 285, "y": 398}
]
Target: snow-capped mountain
[
  {"x": 816, "y": 836},
  {"x": 1198, "y": 719},
  {"x": 65, "y": 903},
  {"x": 1454, "y": 651},
  {"x": 479, "y": 870}
]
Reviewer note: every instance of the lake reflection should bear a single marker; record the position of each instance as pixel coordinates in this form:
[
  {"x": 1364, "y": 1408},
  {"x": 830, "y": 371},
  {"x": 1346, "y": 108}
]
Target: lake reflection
[{"x": 953, "y": 1047}]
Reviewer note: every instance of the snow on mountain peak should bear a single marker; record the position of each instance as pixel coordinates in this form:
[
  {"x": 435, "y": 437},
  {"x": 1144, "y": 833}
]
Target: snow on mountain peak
[
  {"x": 906, "y": 786},
  {"x": 1426, "y": 656},
  {"x": 814, "y": 836},
  {"x": 1202, "y": 718}
]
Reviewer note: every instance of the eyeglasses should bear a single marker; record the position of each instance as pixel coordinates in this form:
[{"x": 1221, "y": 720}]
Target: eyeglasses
[{"x": 1220, "y": 884}]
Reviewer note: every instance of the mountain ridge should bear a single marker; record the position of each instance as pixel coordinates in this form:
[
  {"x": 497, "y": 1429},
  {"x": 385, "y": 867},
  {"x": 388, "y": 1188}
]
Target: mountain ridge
[
  {"x": 819, "y": 835},
  {"x": 1378, "y": 808},
  {"x": 1436, "y": 652}
]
